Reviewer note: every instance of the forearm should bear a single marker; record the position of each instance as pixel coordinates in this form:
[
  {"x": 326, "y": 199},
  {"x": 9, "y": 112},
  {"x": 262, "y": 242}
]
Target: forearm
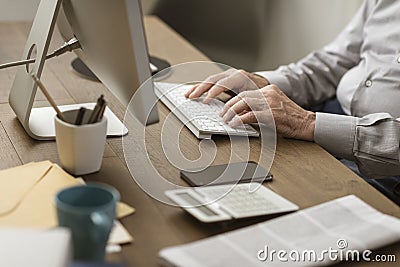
[{"x": 372, "y": 141}]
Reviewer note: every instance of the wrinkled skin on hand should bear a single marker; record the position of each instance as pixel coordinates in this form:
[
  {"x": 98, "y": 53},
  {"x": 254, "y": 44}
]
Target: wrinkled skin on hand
[
  {"x": 291, "y": 120},
  {"x": 257, "y": 102}
]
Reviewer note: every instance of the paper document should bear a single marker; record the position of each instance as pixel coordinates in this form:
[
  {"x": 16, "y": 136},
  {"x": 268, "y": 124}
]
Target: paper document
[
  {"x": 341, "y": 229},
  {"x": 35, "y": 248},
  {"x": 28, "y": 198}
]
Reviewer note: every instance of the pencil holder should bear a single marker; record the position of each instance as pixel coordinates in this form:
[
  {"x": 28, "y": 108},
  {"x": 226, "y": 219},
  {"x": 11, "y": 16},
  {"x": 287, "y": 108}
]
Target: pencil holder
[{"x": 80, "y": 147}]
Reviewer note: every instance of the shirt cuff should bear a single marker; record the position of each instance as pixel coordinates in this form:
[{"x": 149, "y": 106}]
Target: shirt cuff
[
  {"x": 336, "y": 134},
  {"x": 274, "y": 77}
]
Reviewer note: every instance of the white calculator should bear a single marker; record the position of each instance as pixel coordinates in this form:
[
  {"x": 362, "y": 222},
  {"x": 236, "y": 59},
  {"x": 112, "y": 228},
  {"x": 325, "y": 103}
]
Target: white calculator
[{"x": 227, "y": 202}]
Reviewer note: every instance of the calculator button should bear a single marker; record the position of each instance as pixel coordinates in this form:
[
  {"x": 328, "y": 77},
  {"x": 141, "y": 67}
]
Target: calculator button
[{"x": 239, "y": 202}]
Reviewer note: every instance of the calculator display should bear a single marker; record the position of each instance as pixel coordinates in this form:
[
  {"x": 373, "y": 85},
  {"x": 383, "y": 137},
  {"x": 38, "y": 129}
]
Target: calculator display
[{"x": 192, "y": 201}]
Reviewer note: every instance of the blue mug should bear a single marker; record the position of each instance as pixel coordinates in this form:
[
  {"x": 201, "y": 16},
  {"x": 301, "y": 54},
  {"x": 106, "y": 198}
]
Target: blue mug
[{"x": 89, "y": 212}]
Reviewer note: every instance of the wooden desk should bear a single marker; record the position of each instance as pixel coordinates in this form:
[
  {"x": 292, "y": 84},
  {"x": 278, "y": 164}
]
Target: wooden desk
[{"x": 303, "y": 172}]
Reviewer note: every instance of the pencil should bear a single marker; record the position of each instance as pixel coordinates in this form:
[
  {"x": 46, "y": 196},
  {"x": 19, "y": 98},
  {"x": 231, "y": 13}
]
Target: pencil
[
  {"x": 80, "y": 115},
  {"x": 47, "y": 95},
  {"x": 101, "y": 113},
  {"x": 96, "y": 110}
]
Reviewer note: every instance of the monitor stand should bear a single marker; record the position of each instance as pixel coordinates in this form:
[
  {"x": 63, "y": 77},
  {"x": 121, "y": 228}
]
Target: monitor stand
[
  {"x": 41, "y": 121},
  {"x": 158, "y": 65}
]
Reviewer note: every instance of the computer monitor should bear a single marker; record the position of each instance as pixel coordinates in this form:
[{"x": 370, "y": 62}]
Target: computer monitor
[{"x": 114, "y": 47}]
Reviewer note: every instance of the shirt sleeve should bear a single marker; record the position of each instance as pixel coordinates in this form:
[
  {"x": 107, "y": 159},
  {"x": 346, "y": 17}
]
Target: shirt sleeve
[
  {"x": 373, "y": 141},
  {"x": 314, "y": 79}
]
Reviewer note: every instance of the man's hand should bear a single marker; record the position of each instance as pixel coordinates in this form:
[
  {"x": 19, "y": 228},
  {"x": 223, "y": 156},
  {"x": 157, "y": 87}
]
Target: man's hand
[
  {"x": 232, "y": 79},
  {"x": 256, "y": 106}
]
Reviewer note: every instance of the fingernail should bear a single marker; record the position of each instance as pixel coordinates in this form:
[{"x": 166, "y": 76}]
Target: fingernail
[{"x": 233, "y": 123}]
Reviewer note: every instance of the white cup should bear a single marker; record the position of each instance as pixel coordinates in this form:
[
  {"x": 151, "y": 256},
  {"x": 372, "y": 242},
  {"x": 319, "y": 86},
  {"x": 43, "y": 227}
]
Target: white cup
[{"x": 80, "y": 147}]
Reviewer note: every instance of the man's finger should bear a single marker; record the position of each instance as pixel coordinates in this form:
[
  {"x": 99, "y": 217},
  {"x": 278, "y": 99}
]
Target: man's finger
[
  {"x": 225, "y": 84},
  {"x": 229, "y": 104},
  {"x": 213, "y": 92},
  {"x": 236, "y": 109},
  {"x": 236, "y": 99},
  {"x": 188, "y": 92},
  {"x": 207, "y": 84},
  {"x": 200, "y": 89},
  {"x": 246, "y": 118}
]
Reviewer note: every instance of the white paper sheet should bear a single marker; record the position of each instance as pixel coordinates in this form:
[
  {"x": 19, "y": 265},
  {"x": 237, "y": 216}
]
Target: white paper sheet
[{"x": 346, "y": 225}]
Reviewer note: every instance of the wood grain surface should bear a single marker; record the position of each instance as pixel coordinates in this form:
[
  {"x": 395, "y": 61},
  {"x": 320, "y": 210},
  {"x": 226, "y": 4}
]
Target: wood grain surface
[{"x": 303, "y": 172}]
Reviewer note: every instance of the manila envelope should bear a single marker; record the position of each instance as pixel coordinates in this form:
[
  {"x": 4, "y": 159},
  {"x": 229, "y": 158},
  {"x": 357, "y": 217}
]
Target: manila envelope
[
  {"x": 16, "y": 183},
  {"x": 37, "y": 207},
  {"x": 30, "y": 201}
]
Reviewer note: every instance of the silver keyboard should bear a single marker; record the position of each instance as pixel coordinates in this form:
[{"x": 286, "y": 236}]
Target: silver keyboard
[{"x": 202, "y": 119}]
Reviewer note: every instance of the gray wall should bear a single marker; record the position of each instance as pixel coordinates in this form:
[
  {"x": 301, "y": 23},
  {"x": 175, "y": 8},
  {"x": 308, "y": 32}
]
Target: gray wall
[
  {"x": 250, "y": 34},
  {"x": 295, "y": 28},
  {"x": 11, "y": 10},
  {"x": 18, "y": 9},
  {"x": 257, "y": 34}
]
